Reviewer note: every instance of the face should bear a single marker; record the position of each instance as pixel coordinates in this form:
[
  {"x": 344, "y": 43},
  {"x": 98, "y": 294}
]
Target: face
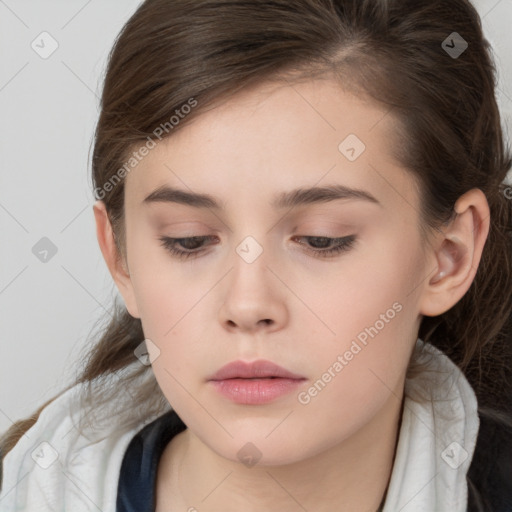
[{"x": 325, "y": 288}]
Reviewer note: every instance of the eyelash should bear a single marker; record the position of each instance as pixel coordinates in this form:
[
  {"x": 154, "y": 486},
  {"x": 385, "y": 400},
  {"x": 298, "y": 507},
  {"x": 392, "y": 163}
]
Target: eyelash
[{"x": 343, "y": 244}]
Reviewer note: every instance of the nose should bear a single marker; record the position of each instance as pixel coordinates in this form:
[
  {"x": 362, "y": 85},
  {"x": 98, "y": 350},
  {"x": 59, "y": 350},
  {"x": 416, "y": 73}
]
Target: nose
[{"x": 254, "y": 298}]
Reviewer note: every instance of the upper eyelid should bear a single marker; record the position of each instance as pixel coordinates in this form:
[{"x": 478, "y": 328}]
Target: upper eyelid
[
  {"x": 205, "y": 238},
  {"x": 295, "y": 235}
]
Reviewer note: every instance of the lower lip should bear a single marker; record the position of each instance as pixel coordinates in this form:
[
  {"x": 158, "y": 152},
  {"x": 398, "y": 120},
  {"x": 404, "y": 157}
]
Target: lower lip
[{"x": 255, "y": 391}]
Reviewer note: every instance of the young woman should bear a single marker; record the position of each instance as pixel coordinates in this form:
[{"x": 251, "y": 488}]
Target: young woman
[{"x": 302, "y": 204}]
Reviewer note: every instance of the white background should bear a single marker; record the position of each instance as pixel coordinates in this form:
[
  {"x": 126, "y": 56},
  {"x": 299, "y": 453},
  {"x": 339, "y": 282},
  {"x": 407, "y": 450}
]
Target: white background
[{"x": 49, "y": 108}]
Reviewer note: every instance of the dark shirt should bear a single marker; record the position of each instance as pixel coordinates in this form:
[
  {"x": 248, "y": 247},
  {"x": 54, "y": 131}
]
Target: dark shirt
[{"x": 136, "y": 491}]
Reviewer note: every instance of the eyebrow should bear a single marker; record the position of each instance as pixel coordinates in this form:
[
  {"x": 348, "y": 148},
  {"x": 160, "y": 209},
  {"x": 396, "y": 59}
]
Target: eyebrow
[{"x": 289, "y": 199}]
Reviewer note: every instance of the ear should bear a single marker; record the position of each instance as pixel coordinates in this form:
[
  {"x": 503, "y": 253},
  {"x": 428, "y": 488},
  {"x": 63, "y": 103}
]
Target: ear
[
  {"x": 115, "y": 262},
  {"x": 456, "y": 253}
]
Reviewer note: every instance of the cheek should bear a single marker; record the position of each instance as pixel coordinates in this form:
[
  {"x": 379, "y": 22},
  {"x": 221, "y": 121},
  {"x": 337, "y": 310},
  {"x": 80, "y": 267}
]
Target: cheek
[
  {"x": 379, "y": 278},
  {"x": 162, "y": 292},
  {"x": 372, "y": 316},
  {"x": 172, "y": 307},
  {"x": 169, "y": 312}
]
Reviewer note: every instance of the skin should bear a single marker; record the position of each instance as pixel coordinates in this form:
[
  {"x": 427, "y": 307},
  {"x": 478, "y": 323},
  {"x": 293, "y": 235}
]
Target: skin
[{"x": 335, "y": 452}]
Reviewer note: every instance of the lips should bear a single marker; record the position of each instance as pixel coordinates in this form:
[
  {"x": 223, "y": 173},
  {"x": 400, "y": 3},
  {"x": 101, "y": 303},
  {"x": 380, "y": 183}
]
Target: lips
[
  {"x": 260, "y": 369},
  {"x": 256, "y": 383}
]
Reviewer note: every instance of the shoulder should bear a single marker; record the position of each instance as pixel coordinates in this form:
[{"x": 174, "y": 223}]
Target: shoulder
[{"x": 62, "y": 462}]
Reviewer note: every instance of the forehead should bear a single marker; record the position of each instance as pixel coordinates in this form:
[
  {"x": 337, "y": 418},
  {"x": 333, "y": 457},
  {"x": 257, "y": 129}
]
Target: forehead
[{"x": 274, "y": 136}]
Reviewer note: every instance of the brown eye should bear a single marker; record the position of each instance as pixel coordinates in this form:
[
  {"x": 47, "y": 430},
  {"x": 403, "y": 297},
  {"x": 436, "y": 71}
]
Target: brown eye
[
  {"x": 321, "y": 242},
  {"x": 190, "y": 244}
]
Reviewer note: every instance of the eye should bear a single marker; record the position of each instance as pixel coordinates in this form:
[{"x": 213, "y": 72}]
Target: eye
[
  {"x": 341, "y": 244},
  {"x": 193, "y": 245}
]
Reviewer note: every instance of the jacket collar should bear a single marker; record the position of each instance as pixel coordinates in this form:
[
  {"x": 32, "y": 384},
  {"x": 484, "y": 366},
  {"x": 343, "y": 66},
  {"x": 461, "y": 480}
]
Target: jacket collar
[{"x": 437, "y": 438}]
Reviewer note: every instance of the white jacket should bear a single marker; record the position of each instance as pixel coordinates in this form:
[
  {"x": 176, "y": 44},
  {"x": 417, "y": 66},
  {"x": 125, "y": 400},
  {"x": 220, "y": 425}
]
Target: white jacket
[{"x": 54, "y": 467}]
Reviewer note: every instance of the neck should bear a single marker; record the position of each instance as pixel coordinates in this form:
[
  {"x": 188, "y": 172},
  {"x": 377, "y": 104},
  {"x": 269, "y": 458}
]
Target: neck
[{"x": 352, "y": 475}]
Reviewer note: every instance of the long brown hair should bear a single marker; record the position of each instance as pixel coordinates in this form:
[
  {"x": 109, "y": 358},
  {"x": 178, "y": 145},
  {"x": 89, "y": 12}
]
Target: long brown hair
[{"x": 394, "y": 51}]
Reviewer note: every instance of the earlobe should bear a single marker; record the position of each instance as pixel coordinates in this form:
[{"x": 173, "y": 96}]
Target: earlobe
[
  {"x": 115, "y": 262},
  {"x": 457, "y": 251}
]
